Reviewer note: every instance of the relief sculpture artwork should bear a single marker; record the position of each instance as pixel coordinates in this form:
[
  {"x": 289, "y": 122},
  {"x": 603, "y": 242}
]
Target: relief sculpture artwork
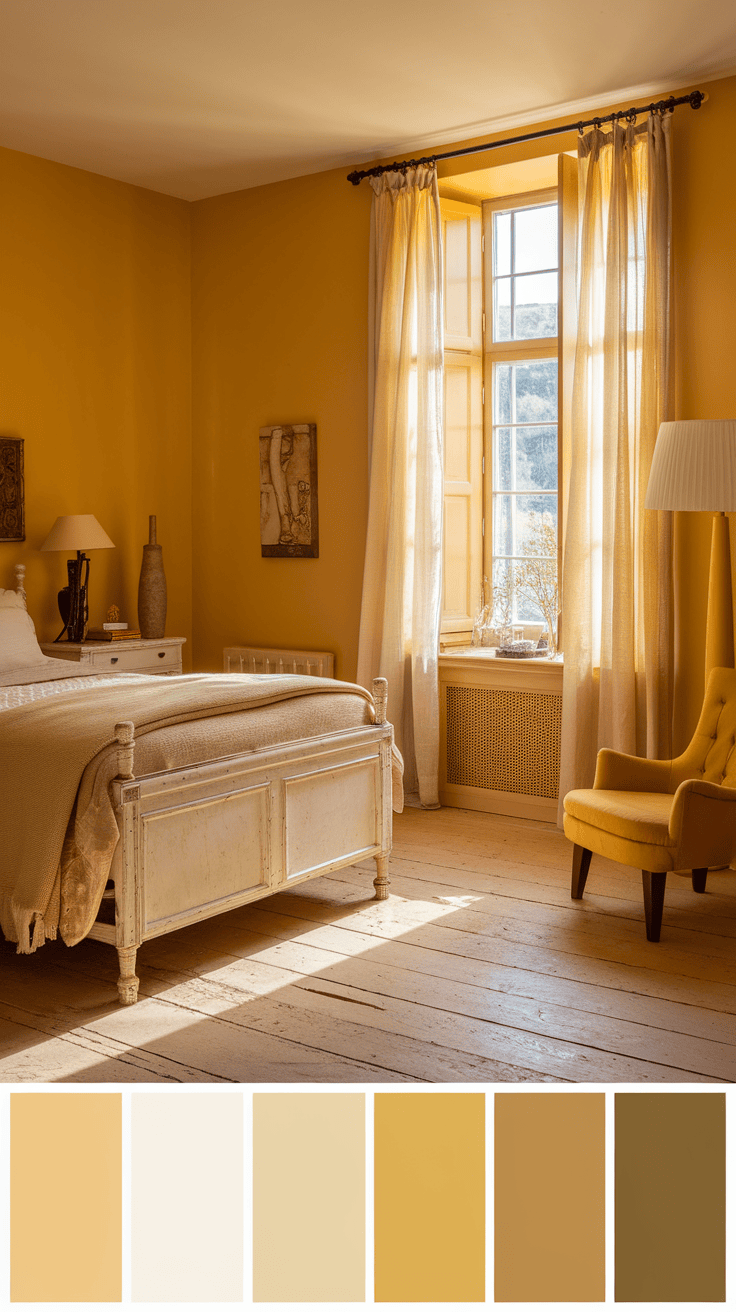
[
  {"x": 289, "y": 523},
  {"x": 12, "y": 518}
]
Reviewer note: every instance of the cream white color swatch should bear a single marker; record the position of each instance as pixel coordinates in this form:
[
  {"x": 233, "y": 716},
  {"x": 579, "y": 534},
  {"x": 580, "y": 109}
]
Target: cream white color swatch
[
  {"x": 187, "y": 1197},
  {"x": 308, "y": 1197}
]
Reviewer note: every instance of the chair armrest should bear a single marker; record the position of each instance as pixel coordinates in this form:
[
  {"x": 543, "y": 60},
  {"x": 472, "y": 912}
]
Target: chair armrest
[
  {"x": 631, "y": 774},
  {"x": 703, "y": 823}
]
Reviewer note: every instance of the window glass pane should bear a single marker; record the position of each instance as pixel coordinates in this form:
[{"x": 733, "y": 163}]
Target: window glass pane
[
  {"x": 535, "y": 526},
  {"x": 503, "y": 530},
  {"x": 535, "y": 239},
  {"x": 502, "y": 245},
  {"x": 536, "y": 459},
  {"x": 533, "y": 390},
  {"x": 536, "y": 305},
  {"x": 502, "y": 459},
  {"x": 502, "y": 310},
  {"x": 502, "y": 383}
]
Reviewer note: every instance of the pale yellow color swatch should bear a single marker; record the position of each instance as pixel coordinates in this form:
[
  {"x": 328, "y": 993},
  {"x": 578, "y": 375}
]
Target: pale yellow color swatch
[
  {"x": 549, "y": 1197},
  {"x": 65, "y": 1198},
  {"x": 429, "y": 1197},
  {"x": 308, "y": 1197},
  {"x": 187, "y": 1197}
]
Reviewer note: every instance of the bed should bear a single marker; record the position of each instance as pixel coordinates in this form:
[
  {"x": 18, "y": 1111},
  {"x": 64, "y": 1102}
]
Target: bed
[{"x": 135, "y": 805}]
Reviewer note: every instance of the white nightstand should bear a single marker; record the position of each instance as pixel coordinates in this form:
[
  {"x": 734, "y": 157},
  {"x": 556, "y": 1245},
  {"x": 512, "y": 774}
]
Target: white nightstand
[{"x": 143, "y": 655}]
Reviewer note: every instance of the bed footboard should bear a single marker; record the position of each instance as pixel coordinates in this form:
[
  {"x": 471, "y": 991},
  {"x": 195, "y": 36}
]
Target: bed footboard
[{"x": 207, "y": 838}]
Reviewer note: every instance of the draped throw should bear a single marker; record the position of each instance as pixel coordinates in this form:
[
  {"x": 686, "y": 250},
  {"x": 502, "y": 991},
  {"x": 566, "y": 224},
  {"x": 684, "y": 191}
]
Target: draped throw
[
  {"x": 400, "y": 615},
  {"x": 617, "y": 575}
]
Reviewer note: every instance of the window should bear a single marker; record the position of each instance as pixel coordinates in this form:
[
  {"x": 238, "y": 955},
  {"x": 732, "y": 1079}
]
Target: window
[
  {"x": 520, "y": 291},
  {"x": 501, "y": 410}
]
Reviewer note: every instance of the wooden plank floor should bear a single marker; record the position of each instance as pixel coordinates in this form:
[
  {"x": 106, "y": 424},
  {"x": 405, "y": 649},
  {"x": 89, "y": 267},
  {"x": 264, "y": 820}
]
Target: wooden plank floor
[{"x": 479, "y": 967}]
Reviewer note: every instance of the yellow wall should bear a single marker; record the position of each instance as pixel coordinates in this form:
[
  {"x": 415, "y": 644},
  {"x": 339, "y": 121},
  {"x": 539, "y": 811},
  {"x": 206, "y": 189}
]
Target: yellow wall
[
  {"x": 279, "y": 310},
  {"x": 280, "y": 278},
  {"x": 95, "y": 371}
]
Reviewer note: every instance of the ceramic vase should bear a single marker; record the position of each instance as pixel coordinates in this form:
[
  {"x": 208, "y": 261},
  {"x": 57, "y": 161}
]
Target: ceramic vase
[{"x": 152, "y": 587}]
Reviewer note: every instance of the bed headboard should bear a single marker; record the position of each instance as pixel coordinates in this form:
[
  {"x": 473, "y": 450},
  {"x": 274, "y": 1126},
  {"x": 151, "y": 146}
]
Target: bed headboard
[{"x": 20, "y": 574}]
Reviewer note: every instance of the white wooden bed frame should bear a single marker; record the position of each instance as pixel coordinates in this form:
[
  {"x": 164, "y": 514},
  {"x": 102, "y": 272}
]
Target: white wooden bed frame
[{"x": 207, "y": 838}]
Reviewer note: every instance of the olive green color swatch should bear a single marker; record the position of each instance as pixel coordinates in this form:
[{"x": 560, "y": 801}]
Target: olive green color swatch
[{"x": 670, "y": 1197}]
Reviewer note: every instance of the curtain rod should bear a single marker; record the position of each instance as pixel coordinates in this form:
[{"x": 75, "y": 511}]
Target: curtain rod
[{"x": 695, "y": 100}]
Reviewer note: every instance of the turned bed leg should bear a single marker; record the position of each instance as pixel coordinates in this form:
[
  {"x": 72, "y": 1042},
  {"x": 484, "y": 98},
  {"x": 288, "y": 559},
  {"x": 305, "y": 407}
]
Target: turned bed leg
[
  {"x": 128, "y": 981},
  {"x": 580, "y": 867},
  {"x": 381, "y": 881},
  {"x": 653, "y": 882}
]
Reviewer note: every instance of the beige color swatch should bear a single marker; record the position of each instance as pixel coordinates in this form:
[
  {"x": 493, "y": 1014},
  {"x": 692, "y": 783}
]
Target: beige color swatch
[
  {"x": 308, "y": 1197},
  {"x": 670, "y": 1197},
  {"x": 65, "y": 1198},
  {"x": 187, "y": 1197},
  {"x": 549, "y": 1163},
  {"x": 429, "y": 1197}
]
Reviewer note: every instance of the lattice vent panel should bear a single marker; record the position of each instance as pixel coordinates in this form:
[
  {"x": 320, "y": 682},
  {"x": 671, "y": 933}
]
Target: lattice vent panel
[{"x": 504, "y": 740}]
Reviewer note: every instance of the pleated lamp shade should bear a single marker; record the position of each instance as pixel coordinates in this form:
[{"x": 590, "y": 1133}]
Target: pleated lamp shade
[
  {"x": 694, "y": 466},
  {"x": 76, "y": 533}
]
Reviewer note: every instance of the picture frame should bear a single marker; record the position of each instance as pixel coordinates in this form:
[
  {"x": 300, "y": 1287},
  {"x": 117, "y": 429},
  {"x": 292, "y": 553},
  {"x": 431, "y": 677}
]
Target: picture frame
[
  {"x": 288, "y": 490},
  {"x": 12, "y": 490}
]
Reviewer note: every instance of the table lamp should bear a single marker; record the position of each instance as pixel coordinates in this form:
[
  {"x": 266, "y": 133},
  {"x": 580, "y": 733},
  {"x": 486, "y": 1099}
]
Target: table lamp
[
  {"x": 694, "y": 468},
  {"x": 78, "y": 533}
]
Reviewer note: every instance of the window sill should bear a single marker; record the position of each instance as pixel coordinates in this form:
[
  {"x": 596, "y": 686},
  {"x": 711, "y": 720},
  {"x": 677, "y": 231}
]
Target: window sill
[{"x": 487, "y": 656}]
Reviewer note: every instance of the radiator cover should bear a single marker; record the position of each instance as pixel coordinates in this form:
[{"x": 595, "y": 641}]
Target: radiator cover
[{"x": 504, "y": 740}]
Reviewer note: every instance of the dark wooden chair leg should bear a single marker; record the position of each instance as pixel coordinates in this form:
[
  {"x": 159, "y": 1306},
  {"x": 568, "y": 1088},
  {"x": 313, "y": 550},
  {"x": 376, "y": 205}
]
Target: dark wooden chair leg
[
  {"x": 580, "y": 867},
  {"x": 653, "y": 882},
  {"x": 699, "y": 878}
]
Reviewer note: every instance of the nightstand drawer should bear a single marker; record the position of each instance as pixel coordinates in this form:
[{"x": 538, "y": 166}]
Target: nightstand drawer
[{"x": 151, "y": 660}]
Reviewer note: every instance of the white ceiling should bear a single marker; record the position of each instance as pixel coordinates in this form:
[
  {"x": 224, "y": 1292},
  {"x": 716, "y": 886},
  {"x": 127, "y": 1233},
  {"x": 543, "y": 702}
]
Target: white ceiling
[{"x": 198, "y": 97}]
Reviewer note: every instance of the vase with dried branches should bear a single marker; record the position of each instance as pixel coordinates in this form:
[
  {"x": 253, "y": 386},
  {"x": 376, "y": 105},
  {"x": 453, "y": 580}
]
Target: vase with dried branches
[{"x": 535, "y": 575}]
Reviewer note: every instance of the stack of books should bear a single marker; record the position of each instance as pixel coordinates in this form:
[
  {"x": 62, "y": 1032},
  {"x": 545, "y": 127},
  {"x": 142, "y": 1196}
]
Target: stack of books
[{"x": 112, "y": 633}]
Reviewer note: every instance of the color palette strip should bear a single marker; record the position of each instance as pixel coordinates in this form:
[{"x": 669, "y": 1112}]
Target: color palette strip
[{"x": 199, "y": 1187}]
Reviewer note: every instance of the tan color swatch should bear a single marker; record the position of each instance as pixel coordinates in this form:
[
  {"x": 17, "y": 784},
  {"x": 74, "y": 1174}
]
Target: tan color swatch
[
  {"x": 308, "y": 1197},
  {"x": 65, "y": 1198},
  {"x": 670, "y": 1197},
  {"x": 549, "y": 1216},
  {"x": 429, "y": 1197},
  {"x": 187, "y": 1196}
]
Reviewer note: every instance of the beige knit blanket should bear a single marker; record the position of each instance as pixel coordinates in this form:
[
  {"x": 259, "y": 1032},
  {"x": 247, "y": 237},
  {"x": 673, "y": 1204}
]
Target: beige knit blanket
[{"x": 45, "y": 751}]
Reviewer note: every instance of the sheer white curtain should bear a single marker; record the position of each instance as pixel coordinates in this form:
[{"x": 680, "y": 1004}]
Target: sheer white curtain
[
  {"x": 400, "y": 616},
  {"x": 617, "y": 577}
]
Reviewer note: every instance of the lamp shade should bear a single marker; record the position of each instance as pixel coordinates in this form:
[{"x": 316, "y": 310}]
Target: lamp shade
[
  {"x": 694, "y": 466},
  {"x": 76, "y": 533}
]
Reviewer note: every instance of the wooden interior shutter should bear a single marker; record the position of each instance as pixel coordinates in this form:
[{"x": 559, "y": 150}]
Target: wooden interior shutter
[{"x": 463, "y": 490}]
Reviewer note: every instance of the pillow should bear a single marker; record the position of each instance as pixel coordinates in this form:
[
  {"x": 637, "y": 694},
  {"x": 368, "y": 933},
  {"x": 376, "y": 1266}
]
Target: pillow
[{"x": 18, "y": 643}]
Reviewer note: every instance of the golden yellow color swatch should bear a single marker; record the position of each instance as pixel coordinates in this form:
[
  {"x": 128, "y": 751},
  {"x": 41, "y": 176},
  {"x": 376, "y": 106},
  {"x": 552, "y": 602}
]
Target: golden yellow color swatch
[
  {"x": 670, "y": 1197},
  {"x": 65, "y": 1198},
  {"x": 308, "y": 1197},
  {"x": 429, "y": 1197},
  {"x": 549, "y": 1219}
]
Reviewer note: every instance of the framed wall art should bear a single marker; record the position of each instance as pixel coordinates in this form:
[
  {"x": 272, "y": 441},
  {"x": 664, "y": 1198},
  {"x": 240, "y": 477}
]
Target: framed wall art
[
  {"x": 289, "y": 519},
  {"x": 12, "y": 493}
]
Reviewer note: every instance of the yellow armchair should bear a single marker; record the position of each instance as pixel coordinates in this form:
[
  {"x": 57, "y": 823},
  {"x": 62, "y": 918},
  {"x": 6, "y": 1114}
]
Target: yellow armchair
[{"x": 663, "y": 815}]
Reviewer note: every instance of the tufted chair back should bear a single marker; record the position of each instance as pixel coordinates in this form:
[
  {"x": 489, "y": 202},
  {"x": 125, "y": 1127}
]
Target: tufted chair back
[{"x": 712, "y": 753}]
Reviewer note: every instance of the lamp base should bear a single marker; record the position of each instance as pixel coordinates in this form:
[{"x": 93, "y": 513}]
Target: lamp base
[{"x": 73, "y": 600}]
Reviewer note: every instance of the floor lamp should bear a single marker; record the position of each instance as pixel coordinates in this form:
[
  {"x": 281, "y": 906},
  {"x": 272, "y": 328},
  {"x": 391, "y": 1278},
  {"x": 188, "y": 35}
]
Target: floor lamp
[{"x": 694, "y": 468}]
